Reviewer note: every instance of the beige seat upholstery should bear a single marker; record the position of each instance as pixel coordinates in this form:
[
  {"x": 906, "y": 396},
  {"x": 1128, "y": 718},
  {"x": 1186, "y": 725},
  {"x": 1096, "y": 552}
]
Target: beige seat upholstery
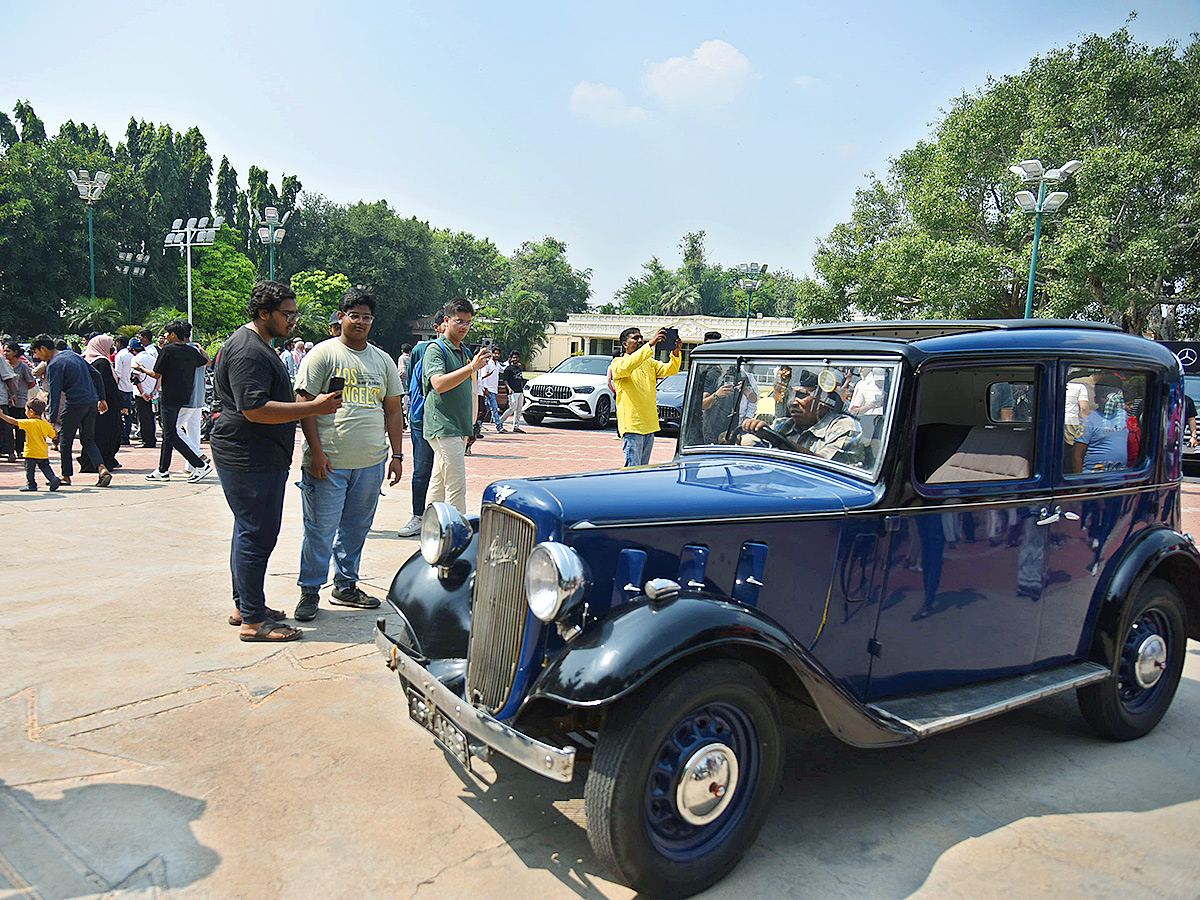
[{"x": 989, "y": 453}]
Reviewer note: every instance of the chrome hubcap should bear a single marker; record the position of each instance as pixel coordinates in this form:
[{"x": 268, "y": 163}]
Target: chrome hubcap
[
  {"x": 1151, "y": 661},
  {"x": 707, "y": 784}
]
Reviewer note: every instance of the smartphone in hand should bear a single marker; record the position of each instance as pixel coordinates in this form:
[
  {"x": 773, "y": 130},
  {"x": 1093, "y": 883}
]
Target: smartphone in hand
[
  {"x": 670, "y": 339},
  {"x": 337, "y": 384}
]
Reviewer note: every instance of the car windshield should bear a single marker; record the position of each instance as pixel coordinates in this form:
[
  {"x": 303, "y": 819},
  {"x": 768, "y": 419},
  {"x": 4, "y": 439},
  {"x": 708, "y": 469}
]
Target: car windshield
[
  {"x": 1191, "y": 387},
  {"x": 835, "y": 409},
  {"x": 674, "y": 383},
  {"x": 583, "y": 365}
]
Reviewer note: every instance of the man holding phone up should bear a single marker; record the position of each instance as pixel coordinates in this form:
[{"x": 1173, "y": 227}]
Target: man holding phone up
[
  {"x": 345, "y": 453},
  {"x": 635, "y": 377}
]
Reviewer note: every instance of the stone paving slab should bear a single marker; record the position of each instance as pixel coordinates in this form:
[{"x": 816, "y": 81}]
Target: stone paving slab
[{"x": 145, "y": 751}]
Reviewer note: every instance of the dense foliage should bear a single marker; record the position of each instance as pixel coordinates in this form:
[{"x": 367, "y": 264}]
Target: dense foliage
[
  {"x": 159, "y": 175},
  {"x": 942, "y": 237}
]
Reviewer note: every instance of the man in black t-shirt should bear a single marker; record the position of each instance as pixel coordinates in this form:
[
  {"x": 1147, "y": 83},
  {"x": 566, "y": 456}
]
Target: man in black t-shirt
[
  {"x": 175, "y": 370},
  {"x": 514, "y": 377},
  {"x": 252, "y": 444}
]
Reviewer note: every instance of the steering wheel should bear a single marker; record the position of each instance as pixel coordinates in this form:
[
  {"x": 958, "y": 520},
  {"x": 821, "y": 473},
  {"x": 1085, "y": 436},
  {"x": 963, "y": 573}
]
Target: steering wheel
[{"x": 774, "y": 438}]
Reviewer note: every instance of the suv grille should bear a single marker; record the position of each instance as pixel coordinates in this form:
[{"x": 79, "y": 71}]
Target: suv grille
[
  {"x": 557, "y": 391},
  {"x": 499, "y": 610},
  {"x": 668, "y": 414}
]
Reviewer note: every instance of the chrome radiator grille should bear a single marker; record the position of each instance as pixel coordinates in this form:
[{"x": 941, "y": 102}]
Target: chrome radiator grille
[
  {"x": 669, "y": 414},
  {"x": 498, "y": 611},
  {"x": 556, "y": 391}
]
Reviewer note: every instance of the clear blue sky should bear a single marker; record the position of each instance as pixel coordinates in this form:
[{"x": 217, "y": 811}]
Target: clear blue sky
[{"x": 614, "y": 126}]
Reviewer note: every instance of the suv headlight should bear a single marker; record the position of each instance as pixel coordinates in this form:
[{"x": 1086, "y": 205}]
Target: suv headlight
[
  {"x": 585, "y": 389},
  {"x": 556, "y": 578},
  {"x": 444, "y": 534}
]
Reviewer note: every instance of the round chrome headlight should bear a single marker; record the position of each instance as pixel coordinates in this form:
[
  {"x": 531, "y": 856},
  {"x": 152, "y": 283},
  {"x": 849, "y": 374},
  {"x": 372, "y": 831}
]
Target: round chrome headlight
[
  {"x": 444, "y": 534},
  {"x": 556, "y": 578}
]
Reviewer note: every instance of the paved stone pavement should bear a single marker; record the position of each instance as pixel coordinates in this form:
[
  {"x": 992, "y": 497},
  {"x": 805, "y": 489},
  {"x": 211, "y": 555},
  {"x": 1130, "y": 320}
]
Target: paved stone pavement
[{"x": 144, "y": 751}]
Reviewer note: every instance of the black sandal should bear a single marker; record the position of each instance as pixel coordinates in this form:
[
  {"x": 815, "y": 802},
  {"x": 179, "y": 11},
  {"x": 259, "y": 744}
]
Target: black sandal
[
  {"x": 269, "y": 627},
  {"x": 277, "y": 614}
]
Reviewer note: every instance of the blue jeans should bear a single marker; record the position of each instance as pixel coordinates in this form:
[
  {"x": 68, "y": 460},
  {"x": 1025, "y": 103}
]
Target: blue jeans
[
  {"x": 422, "y": 467},
  {"x": 256, "y": 501},
  {"x": 490, "y": 399},
  {"x": 338, "y": 512},
  {"x": 637, "y": 449}
]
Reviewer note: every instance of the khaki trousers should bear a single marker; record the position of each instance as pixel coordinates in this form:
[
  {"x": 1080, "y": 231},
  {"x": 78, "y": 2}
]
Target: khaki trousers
[{"x": 448, "y": 481}]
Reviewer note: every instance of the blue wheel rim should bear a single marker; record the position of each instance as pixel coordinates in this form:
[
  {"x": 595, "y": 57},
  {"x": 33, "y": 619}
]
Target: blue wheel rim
[
  {"x": 1133, "y": 696},
  {"x": 670, "y": 834}
]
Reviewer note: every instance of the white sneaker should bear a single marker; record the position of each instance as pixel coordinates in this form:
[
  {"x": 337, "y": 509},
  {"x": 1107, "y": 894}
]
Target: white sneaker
[
  {"x": 158, "y": 476},
  {"x": 199, "y": 474},
  {"x": 413, "y": 528}
]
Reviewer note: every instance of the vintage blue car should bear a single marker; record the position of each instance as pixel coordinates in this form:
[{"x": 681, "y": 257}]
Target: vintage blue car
[{"x": 904, "y": 527}]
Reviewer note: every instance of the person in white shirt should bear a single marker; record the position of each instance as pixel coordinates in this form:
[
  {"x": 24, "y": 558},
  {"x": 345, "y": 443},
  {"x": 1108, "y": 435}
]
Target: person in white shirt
[
  {"x": 402, "y": 364},
  {"x": 489, "y": 385},
  {"x": 122, "y": 370},
  {"x": 145, "y": 390}
]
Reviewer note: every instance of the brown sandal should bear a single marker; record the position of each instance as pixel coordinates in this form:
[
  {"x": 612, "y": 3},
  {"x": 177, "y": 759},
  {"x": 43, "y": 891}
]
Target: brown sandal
[{"x": 270, "y": 627}]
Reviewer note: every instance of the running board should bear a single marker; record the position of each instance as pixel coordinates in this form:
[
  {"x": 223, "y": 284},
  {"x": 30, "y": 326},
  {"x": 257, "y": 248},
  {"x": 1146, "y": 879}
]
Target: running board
[{"x": 931, "y": 712}]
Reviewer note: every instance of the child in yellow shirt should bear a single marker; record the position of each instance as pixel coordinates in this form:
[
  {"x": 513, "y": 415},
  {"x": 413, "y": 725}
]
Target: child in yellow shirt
[{"x": 37, "y": 454}]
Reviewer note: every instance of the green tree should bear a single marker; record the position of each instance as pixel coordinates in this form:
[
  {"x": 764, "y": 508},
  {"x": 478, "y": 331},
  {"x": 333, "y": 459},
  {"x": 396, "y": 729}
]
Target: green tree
[
  {"x": 642, "y": 296},
  {"x": 227, "y": 192},
  {"x": 470, "y": 267},
  {"x": 517, "y": 321},
  {"x": 318, "y": 294},
  {"x": 101, "y": 314},
  {"x": 942, "y": 237},
  {"x": 221, "y": 281},
  {"x": 542, "y": 268}
]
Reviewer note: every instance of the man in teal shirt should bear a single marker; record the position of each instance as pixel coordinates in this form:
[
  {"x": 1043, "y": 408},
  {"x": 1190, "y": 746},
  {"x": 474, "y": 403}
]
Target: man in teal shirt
[{"x": 447, "y": 367}]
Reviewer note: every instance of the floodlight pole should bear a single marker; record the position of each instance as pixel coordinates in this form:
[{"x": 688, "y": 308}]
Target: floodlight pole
[
  {"x": 271, "y": 231},
  {"x": 132, "y": 265},
  {"x": 89, "y": 192},
  {"x": 185, "y": 236},
  {"x": 1037, "y": 236},
  {"x": 750, "y": 285}
]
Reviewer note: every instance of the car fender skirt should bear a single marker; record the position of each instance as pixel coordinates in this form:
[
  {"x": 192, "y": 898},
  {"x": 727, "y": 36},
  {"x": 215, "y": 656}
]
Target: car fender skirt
[
  {"x": 628, "y": 646},
  {"x": 435, "y": 603},
  {"x": 1158, "y": 552}
]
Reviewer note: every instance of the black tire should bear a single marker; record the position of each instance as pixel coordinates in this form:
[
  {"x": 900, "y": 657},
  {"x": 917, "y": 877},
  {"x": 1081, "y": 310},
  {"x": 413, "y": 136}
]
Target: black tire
[
  {"x": 603, "y": 413},
  {"x": 533, "y": 418},
  {"x": 1121, "y": 707},
  {"x": 633, "y": 820}
]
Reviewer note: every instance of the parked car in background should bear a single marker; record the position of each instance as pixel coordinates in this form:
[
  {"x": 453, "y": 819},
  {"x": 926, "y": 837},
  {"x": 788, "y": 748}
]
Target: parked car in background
[
  {"x": 577, "y": 388},
  {"x": 671, "y": 391},
  {"x": 1188, "y": 354},
  {"x": 914, "y": 540}
]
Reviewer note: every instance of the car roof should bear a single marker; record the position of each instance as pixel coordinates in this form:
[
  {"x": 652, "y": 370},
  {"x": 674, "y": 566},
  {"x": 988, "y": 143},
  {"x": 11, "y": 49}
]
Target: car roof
[{"x": 918, "y": 341}]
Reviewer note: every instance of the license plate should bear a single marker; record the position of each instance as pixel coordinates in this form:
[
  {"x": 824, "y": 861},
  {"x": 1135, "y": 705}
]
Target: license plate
[{"x": 447, "y": 735}]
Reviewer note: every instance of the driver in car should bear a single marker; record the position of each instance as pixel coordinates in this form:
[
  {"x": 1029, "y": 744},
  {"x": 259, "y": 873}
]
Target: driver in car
[{"x": 815, "y": 424}]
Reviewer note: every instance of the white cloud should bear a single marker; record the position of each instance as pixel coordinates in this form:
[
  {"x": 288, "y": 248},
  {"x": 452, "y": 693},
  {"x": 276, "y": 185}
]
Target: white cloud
[
  {"x": 805, "y": 82},
  {"x": 708, "y": 80},
  {"x": 604, "y": 105}
]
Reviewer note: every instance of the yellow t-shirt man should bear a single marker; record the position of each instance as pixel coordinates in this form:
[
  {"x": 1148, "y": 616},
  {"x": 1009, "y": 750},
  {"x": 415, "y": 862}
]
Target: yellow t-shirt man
[
  {"x": 37, "y": 433},
  {"x": 636, "y": 379}
]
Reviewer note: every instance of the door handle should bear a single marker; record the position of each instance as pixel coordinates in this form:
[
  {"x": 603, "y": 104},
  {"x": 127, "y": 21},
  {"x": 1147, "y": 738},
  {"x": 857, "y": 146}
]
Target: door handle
[
  {"x": 1049, "y": 518},
  {"x": 1071, "y": 517}
]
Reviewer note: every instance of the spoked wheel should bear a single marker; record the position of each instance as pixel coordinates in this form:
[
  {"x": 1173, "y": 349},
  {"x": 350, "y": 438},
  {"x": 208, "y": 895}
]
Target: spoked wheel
[
  {"x": 1129, "y": 704},
  {"x": 683, "y": 776}
]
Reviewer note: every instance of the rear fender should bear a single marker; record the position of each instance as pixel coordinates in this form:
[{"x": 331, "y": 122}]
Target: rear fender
[
  {"x": 629, "y": 645},
  {"x": 1159, "y": 553}
]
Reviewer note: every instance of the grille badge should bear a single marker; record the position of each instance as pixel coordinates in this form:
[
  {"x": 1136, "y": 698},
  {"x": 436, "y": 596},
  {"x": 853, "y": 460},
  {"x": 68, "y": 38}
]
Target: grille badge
[{"x": 501, "y": 554}]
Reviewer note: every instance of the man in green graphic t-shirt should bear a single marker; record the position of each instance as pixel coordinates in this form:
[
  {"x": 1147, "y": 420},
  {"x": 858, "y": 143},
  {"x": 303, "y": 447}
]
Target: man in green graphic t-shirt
[{"x": 345, "y": 454}]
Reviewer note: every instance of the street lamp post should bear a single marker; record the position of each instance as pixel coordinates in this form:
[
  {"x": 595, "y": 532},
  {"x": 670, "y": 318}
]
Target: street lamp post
[
  {"x": 132, "y": 265},
  {"x": 89, "y": 189},
  {"x": 271, "y": 230},
  {"x": 750, "y": 282},
  {"x": 185, "y": 237},
  {"x": 1031, "y": 172}
]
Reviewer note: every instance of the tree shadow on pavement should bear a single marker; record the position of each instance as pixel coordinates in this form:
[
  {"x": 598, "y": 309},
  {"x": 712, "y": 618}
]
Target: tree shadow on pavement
[{"x": 100, "y": 839}]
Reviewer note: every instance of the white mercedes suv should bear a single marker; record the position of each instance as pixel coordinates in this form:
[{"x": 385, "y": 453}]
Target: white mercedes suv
[{"x": 577, "y": 388}]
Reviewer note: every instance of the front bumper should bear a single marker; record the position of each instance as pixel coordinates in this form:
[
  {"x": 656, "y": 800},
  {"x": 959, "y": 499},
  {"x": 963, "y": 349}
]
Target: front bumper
[{"x": 557, "y": 763}]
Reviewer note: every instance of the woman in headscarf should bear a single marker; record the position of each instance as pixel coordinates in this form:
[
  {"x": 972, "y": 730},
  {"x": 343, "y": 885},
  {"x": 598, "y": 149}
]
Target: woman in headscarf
[{"x": 108, "y": 424}]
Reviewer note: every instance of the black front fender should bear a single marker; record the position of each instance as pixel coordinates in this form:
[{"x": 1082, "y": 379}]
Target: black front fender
[
  {"x": 625, "y": 648},
  {"x": 435, "y": 603}
]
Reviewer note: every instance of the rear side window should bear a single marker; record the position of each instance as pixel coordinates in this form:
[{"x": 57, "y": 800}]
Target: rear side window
[
  {"x": 1104, "y": 420},
  {"x": 976, "y": 424}
]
